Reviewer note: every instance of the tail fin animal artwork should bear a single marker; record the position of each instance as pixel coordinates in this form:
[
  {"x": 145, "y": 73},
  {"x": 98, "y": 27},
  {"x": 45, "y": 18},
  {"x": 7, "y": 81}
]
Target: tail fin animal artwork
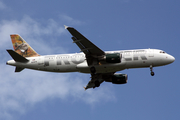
[{"x": 22, "y": 47}]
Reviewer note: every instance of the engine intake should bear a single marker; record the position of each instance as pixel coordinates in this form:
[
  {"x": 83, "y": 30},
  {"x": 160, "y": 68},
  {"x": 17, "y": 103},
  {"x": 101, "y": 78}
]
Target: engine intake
[
  {"x": 119, "y": 78},
  {"x": 116, "y": 78}
]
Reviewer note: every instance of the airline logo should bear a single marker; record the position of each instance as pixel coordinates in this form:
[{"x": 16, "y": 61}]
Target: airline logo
[{"x": 21, "y": 47}]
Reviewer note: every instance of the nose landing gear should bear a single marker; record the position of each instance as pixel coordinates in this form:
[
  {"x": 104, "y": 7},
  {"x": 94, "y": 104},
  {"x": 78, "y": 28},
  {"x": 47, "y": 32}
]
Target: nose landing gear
[{"x": 151, "y": 68}]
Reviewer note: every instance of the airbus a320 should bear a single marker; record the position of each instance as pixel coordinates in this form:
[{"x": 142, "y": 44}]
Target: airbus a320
[{"x": 102, "y": 65}]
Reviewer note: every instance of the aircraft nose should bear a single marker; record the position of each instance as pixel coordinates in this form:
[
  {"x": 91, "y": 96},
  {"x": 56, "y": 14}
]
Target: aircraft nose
[{"x": 171, "y": 59}]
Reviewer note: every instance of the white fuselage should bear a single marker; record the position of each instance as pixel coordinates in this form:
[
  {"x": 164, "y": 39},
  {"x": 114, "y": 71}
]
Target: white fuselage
[{"x": 138, "y": 58}]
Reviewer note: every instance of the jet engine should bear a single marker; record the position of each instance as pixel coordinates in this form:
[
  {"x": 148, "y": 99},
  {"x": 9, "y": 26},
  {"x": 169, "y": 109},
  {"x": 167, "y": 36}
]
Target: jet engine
[
  {"x": 119, "y": 78},
  {"x": 112, "y": 58},
  {"x": 116, "y": 78}
]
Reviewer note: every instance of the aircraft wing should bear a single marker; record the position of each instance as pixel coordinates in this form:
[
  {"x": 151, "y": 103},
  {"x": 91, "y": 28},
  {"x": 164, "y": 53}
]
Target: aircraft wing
[
  {"x": 92, "y": 83},
  {"x": 84, "y": 44},
  {"x": 92, "y": 53},
  {"x": 97, "y": 79}
]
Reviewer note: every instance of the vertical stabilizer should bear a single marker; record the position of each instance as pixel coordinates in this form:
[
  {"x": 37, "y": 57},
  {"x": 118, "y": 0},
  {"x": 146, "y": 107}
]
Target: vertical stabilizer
[{"x": 22, "y": 47}]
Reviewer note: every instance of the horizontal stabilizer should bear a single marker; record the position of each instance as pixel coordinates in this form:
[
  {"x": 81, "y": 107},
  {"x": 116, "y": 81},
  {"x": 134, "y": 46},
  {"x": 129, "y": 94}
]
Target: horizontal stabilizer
[
  {"x": 17, "y": 57},
  {"x": 19, "y": 69}
]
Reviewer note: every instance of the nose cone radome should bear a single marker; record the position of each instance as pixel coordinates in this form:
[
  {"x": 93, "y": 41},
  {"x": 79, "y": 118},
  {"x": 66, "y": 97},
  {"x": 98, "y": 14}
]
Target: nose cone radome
[{"x": 169, "y": 59}]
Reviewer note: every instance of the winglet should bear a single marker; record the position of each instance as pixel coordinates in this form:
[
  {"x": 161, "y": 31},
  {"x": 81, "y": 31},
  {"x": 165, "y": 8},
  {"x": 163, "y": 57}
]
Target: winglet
[{"x": 65, "y": 26}]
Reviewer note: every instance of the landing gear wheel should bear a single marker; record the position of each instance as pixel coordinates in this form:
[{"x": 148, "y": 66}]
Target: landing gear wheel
[
  {"x": 151, "y": 68},
  {"x": 97, "y": 83},
  {"x": 152, "y": 73},
  {"x": 93, "y": 70}
]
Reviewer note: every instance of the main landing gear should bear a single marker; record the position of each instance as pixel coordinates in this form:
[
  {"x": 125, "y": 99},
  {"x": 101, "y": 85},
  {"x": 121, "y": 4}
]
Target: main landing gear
[
  {"x": 93, "y": 70},
  {"x": 151, "y": 68},
  {"x": 93, "y": 73}
]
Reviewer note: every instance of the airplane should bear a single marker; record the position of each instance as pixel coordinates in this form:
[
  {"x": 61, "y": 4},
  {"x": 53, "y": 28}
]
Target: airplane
[{"x": 102, "y": 65}]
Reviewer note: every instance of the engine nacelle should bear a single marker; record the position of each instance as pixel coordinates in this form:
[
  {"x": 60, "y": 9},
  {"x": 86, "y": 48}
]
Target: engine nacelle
[
  {"x": 119, "y": 78},
  {"x": 111, "y": 58}
]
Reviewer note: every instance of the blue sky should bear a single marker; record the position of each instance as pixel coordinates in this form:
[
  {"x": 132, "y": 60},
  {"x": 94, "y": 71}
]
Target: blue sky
[{"x": 111, "y": 25}]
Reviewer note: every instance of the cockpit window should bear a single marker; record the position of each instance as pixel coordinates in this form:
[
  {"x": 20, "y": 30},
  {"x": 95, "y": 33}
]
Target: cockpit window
[{"x": 162, "y": 52}]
